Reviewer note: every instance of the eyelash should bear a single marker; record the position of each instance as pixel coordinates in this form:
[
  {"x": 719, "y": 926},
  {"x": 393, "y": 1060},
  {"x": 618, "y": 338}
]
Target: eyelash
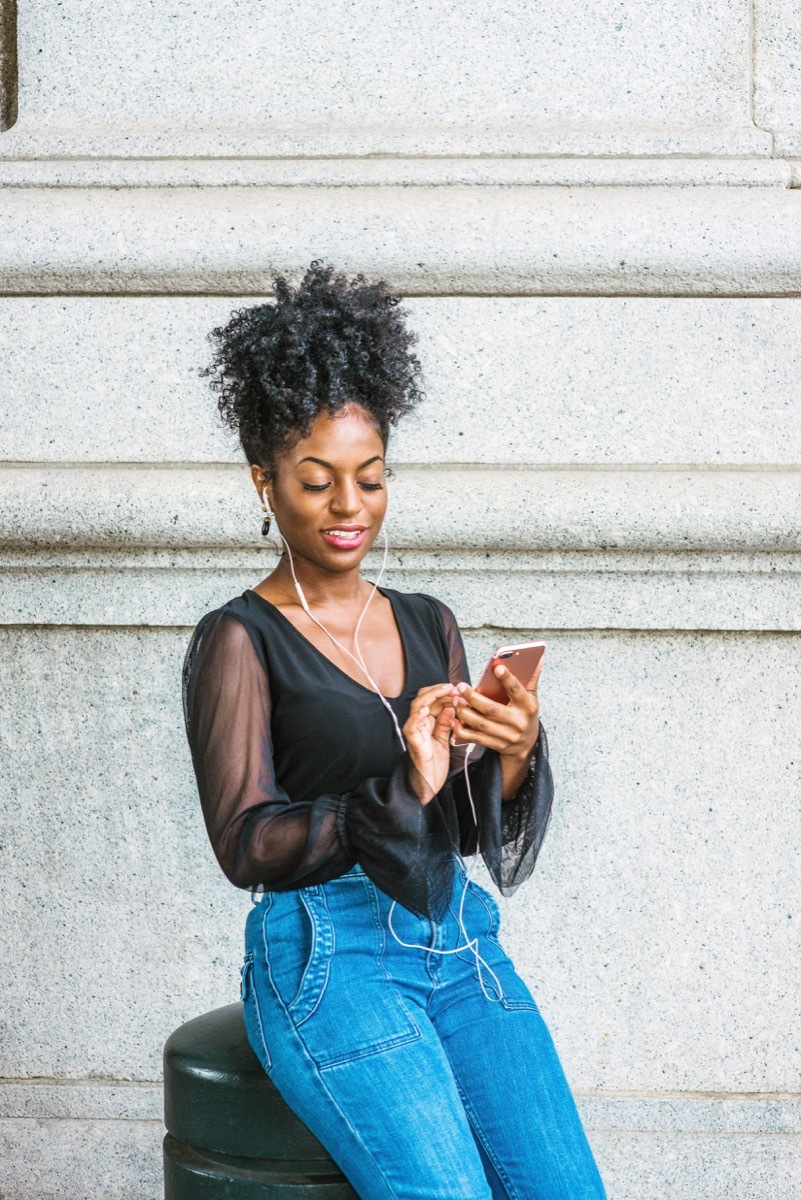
[{"x": 320, "y": 487}]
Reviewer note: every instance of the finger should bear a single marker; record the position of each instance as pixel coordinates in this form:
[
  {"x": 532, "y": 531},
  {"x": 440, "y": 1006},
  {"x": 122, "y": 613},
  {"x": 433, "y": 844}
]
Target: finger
[
  {"x": 531, "y": 686},
  {"x": 464, "y": 734},
  {"x": 490, "y": 708},
  {"x": 511, "y": 727},
  {"x": 434, "y": 690},
  {"x": 444, "y": 724},
  {"x": 511, "y": 684},
  {"x": 428, "y": 695}
]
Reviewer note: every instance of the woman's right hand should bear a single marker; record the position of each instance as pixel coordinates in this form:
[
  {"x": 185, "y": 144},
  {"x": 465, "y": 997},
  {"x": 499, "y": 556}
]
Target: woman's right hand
[{"x": 427, "y": 735}]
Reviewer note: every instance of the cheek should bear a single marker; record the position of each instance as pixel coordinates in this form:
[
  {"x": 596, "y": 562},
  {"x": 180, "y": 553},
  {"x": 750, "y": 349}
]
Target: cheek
[
  {"x": 377, "y": 508},
  {"x": 301, "y": 509}
]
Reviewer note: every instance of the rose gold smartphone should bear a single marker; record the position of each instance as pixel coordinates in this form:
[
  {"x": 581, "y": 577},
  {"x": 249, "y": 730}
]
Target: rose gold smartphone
[{"x": 521, "y": 660}]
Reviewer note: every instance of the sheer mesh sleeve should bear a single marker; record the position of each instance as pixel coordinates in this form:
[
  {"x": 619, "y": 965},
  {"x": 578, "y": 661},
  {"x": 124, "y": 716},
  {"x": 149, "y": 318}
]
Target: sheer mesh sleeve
[
  {"x": 509, "y": 833},
  {"x": 264, "y": 840}
]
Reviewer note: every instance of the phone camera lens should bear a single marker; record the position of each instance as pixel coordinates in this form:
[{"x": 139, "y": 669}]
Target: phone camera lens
[{"x": 505, "y": 655}]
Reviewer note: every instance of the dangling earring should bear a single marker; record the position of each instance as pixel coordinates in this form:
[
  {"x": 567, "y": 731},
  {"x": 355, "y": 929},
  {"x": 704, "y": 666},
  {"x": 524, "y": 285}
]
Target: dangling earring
[{"x": 268, "y": 516}]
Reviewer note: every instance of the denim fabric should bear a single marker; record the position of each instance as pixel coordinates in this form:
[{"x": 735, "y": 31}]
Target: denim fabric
[{"x": 418, "y": 1084}]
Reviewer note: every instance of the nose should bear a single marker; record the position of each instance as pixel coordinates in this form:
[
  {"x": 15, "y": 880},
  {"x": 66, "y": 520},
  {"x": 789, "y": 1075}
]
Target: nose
[{"x": 346, "y": 500}]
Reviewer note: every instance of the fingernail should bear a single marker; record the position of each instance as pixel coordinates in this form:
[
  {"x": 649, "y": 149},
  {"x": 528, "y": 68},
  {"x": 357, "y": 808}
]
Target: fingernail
[{"x": 461, "y": 687}]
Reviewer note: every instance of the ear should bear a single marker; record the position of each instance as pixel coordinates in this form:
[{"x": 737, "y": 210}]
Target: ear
[{"x": 261, "y": 482}]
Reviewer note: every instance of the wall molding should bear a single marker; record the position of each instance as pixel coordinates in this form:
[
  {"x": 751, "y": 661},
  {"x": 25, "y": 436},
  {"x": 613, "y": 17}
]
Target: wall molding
[
  {"x": 525, "y": 170},
  {"x": 434, "y": 508},
  {"x": 520, "y": 548},
  {"x": 425, "y": 240},
  {"x": 413, "y": 139}
]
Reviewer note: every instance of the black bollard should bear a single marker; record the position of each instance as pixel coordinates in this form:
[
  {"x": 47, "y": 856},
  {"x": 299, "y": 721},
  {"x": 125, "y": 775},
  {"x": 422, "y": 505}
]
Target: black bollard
[{"x": 230, "y": 1135}]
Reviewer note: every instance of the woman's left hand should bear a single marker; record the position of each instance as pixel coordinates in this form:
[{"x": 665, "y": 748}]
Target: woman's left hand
[{"x": 512, "y": 729}]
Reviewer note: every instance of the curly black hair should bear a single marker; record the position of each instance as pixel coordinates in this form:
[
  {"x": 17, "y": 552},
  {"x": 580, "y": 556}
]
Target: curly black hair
[{"x": 327, "y": 343}]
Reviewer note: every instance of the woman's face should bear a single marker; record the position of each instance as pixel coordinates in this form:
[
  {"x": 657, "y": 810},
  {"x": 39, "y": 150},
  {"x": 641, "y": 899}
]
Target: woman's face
[{"x": 328, "y": 492}]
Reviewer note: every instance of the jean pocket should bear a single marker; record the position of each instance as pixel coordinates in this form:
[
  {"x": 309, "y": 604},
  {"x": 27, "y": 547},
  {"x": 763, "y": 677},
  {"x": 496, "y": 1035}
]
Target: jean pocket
[
  {"x": 246, "y": 976},
  {"x": 520, "y": 999},
  {"x": 299, "y": 942},
  {"x": 515, "y": 994},
  {"x": 493, "y": 912},
  {"x": 361, "y": 1010},
  {"x": 254, "y": 1025}
]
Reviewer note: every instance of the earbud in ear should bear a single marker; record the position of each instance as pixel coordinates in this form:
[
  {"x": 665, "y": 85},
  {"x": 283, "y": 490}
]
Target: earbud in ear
[{"x": 268, "y": 514}]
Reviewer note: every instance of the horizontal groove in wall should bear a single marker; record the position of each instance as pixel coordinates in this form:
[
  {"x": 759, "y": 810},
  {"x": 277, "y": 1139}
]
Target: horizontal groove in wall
[
  {"x": 685, "y": 1112},
  {"x": 265, "y": 292},
  {"x": 711, "y": 468}
]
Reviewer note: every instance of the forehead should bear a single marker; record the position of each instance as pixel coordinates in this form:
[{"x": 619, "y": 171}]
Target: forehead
[{"x": 345, "y": 438}]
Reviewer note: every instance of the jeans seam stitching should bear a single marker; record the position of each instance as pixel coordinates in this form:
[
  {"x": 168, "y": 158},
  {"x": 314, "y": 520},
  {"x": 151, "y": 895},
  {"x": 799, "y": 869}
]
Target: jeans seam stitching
[
  {"x": 255, "y": 990},
  {"x": 490, "y": 936},
  {"x": 413, "y": 1030},
  {"x": 328, "y": 944},
  {"x": 384, "y": 969},
  {"x": 267, "y": 1056},
  {"x": 307, "y": 970},
  {"x": 374, "y": 1048},
  {"x": 511, "y": 1190},
  {"x": 353, "y": 1129}
]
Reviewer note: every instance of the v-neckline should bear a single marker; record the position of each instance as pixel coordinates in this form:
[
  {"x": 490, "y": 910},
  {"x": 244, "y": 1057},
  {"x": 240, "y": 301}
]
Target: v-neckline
[{"x": 399, "y": 624}]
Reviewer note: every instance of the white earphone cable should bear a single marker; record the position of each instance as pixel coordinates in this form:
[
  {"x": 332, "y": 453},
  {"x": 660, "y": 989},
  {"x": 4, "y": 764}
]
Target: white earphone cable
[
  {"x": 470, "y": 944},
  {"x": 360, "y": 659}
]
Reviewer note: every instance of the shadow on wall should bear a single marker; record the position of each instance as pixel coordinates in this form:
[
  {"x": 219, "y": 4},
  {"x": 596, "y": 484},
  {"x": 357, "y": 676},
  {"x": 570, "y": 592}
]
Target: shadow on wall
[{"x": 9, "y": 74}]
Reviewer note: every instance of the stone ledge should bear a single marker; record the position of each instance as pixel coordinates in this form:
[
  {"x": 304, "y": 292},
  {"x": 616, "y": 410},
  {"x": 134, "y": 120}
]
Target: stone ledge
[
  {"x": 425, "y": 240},
  {"x": 548, "y": 591},
  {"x": 521, "y": 171},
  {"x": 531, "y": 548},
  {"x": 415, "y": 140},
  {"x": 179, "y": 506}
]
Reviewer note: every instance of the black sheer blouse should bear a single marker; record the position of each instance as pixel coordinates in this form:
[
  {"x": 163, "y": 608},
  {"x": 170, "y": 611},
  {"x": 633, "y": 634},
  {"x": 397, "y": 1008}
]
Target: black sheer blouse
[{"x": 301, "y": 774}]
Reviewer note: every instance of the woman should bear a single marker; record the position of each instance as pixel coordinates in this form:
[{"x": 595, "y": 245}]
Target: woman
[{"x": 328, "y": 720}]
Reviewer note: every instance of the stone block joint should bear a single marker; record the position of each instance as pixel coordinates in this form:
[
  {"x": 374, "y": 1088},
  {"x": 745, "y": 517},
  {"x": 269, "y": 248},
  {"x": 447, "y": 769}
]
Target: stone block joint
[{"x": 9, "y": 73}]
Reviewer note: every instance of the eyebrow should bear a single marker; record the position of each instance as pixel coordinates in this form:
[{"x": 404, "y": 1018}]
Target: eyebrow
[{"x": 331, "y": 467}]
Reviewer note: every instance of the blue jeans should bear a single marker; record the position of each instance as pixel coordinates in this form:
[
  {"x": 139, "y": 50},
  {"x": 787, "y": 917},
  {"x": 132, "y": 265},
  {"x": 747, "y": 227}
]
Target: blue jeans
[{"x": 419, "y": 1085}]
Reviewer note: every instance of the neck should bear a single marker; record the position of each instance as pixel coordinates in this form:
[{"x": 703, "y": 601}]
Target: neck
[{"x": 320, "y": 587}]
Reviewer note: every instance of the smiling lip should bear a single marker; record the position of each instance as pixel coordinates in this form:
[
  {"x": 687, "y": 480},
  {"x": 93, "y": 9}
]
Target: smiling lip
[{"x": 345, "y": 537}]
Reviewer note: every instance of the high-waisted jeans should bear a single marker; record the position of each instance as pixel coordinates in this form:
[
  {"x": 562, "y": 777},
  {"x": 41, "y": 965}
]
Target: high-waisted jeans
[{"x": 419, "y": 1085}]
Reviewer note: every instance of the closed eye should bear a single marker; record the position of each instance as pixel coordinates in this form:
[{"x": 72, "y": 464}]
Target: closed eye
[{"x": 321, "y": 487}]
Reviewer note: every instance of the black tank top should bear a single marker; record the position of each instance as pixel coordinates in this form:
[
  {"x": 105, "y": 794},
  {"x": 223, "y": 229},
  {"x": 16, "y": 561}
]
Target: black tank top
[
  {"x": 330, "y": 732},
  {"x": 301, "y": 774}
]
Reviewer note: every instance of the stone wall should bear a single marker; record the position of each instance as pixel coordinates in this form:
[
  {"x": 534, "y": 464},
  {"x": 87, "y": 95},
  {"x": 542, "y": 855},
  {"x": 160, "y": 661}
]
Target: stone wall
[{"x": 592, "y": 210}]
